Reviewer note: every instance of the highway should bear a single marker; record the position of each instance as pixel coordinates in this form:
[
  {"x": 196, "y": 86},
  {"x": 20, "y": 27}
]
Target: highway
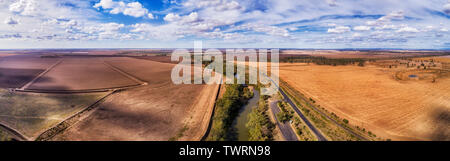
[
  {"x": 323, "y": 114},
  {"x": 318, "y": 134}
]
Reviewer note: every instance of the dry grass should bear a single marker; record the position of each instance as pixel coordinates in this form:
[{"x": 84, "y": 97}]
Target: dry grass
[
  {"x": 32, "y": 114},
  {"x": 371, "y": 98}
]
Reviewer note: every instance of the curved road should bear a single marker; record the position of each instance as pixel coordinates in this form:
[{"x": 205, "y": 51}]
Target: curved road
[
  {"x": 316, "y": 132},
  {"x": 286, "y": 129}
]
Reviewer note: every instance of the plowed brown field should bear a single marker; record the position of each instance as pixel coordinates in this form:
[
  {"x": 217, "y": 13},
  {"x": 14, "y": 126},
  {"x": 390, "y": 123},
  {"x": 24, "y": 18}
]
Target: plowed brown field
[
  {"x": 17, "y": 70},
  {"x": 158, "y": 111},
  {"x": 81, "y": 74}
]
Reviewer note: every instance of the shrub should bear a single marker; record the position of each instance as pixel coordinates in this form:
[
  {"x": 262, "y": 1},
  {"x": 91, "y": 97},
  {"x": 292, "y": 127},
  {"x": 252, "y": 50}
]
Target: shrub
[
  {"x": 259, "y": 124},
  {"x": 345, "y": 121}
]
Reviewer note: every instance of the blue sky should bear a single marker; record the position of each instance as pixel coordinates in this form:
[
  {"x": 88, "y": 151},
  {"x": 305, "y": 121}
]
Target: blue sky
[{"x": 414, "y": 24}]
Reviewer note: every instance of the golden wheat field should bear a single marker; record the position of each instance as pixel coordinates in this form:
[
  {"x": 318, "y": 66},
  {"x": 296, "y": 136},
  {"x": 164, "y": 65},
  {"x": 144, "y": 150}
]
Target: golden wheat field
[{"x": 371, "y": 97}]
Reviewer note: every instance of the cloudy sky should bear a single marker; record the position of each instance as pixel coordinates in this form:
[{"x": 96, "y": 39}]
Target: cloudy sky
[{"x": 422, "y": 24}]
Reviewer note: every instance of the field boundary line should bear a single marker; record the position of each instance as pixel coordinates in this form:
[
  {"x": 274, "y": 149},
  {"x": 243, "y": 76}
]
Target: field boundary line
[
  {"x": 16, "y": 134},
  {"x": 129, "y": 76},
  {"x": 40, "y": 75},
  {"x": 30, "y": 117},
  {"x": 78, "y": 91},
  {"x": 208, "y": 129},
  {"x": 206, "y": 118},
  {"x": 72, "y": 120}
]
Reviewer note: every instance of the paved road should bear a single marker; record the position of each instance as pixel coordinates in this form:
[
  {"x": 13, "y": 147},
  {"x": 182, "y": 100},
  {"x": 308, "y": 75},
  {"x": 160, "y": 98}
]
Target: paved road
[
  {"x": 314, "y": 108},
  {"x": 319, "y": 135},
  {"x": 286, "y": 129},
  {"x": 316, "y": 132}
]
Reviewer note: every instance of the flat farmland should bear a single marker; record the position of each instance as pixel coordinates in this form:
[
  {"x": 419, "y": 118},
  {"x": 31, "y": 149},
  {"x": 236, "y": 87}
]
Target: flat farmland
[
  {"x": 160, "y": 110},
  {"x": 17, "y": 70},
  {"x": 162, "y": 59},
  {"x": 30, "y": 114},
  {"x": 370, "y": 97},
  {"x": 81, "y": 73},
  {"x": 356, "y": 54},
  {"x": 177, "y": 112},
  {"x": 150, "y": 71}
]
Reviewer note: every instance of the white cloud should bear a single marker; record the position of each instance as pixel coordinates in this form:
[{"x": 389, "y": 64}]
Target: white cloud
[
  {"x": 332, "y": 3},
  {"x": 447, "y": 8},
  {"x": 397, "y": 15},
  {"x": 11, "y": 21},
  {"x": 228, "y": 6},
  {"x": 166, "y": 32},
  {"x": 339, "y": 29},
  {"x": 110, "y": 27},
  {"x": 106, "y": 4},
  {"x": 356, "y": 35},
  {"x": 105, "y": 31},
  {"x": 361, "y": 28},
  {"x": 192, "y": 17},
  {"x": 231, "y": 21},
  {"x": 218, "y": 5},
  {"x": 24, "y": 7},
  {"x": 150, "y": 16},
  {"x": 134, "y": 9},
  {"x": 407, "y": 29},
  {"x": 172, "y": 17},
  {"x": 269, "y": 30}
]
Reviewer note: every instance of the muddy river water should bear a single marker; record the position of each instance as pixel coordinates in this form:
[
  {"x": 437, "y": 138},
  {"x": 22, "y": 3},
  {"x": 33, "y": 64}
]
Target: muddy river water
[{"x": 241, "y": 120}]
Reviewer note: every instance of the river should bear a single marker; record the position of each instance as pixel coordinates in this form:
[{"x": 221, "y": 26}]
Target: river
[{"x": 241, "y": 120}]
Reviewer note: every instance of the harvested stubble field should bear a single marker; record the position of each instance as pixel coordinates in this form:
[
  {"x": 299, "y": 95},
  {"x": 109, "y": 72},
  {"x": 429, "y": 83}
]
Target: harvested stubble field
[
  {"x": 370, "y": 97},
  {"x": 158, "y": 111},
  {"x": 31, "y": 114},
  {"x": 17, "y": 70},
  {"x": 358, "y": 54},
  {"x": 81, "y": 74}
]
